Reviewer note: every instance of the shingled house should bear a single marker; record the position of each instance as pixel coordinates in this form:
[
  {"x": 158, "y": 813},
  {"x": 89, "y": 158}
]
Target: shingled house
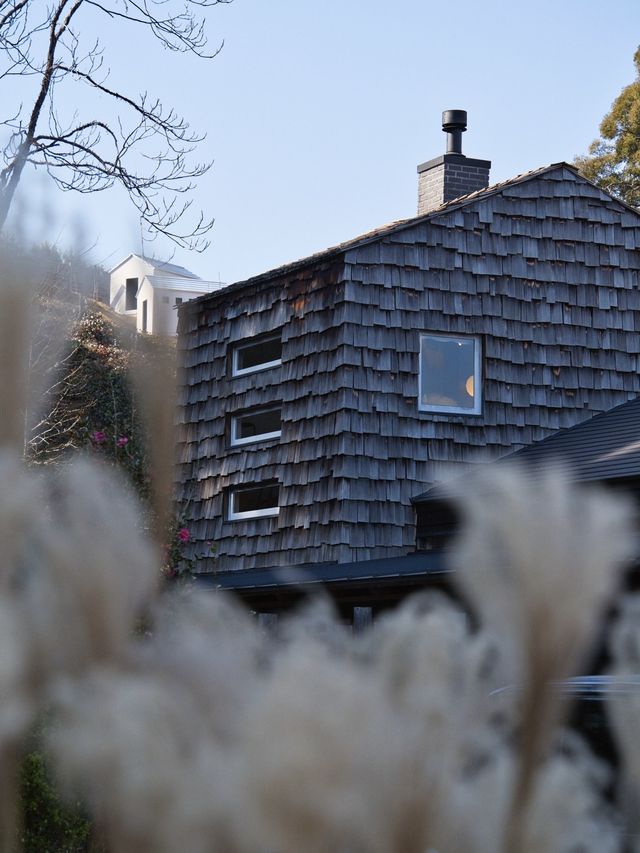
[{"x": 318, "y": 398}]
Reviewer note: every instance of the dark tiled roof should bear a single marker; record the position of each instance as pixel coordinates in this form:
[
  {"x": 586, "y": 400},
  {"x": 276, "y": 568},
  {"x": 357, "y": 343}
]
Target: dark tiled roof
[
  {"x": 605, "y": 447},
  {"x": 412, "y": 565}
]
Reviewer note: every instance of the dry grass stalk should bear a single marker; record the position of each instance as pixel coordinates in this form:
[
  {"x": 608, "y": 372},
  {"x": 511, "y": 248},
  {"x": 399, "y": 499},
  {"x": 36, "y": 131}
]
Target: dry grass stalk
[
  {"x": 210, "y": 737},
  {"x": 15, "y": 297},
  {"x": 531, "y": 542}
]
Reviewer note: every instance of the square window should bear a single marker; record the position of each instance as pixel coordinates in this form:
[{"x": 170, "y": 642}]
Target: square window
[
  {"x": 258, "y": 501},
  {"x": 178, "y": 300},
  {"x": 450, "y": 378},
  {"x": 258, "y": 425},
  {"x": 258, "y": 353}
]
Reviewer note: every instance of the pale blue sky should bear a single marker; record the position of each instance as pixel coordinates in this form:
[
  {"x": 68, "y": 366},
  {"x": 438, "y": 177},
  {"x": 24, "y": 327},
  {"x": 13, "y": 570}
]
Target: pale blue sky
[{"x": 317, "y": 114}]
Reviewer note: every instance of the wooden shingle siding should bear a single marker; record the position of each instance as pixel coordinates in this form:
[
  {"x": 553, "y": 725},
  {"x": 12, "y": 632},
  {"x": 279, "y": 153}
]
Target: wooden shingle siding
[
  {"x": 546, "y": 271},
  {"x": 303, "y": 307}
]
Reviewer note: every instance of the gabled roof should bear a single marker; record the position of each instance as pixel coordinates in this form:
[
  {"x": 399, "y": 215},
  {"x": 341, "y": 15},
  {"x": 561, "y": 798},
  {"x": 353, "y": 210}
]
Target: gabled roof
[
  {"x": 196, "y": 285},
  {"x": 605, "y": 447},
  {"x": 402, "y": 224},
  {"x": 163, "y": 266},
  {"x": 169, "y": 269}
]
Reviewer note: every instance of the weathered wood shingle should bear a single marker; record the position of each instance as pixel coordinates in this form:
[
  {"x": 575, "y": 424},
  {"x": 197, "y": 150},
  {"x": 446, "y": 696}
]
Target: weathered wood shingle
[{"x": 545, "y": 269}]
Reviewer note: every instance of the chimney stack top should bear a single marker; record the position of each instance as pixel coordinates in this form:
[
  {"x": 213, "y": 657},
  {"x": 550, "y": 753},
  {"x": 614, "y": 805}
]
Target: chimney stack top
[
  {"x": 454, "y": 124},
  {"x": 451, "y": 175}
]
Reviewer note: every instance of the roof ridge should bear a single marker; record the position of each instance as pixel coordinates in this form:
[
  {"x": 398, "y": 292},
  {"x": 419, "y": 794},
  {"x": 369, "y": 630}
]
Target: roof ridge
[{"x": 369, "y": 236}]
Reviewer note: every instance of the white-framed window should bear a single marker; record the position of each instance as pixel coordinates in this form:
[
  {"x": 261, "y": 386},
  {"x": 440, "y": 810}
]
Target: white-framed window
[
  {"x": 258, "y": 353},
  {"x": 258, "y": 425},
  {"x": 450, "y": 374},
  {"x": 256, "y": 501}
]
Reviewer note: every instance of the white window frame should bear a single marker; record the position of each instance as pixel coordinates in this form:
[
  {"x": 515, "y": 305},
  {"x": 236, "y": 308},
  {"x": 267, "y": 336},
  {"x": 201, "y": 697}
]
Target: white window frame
[
  {"x": 268, "y": 512},
  {"x": 477, "y": 378},
  {"x": 262, "y": 436},
  {"x": 266, "y": 365}
]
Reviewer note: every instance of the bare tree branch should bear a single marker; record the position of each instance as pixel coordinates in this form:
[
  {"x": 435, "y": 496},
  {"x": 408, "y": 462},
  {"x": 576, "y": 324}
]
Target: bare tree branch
[{"x": 142, "y": 145}]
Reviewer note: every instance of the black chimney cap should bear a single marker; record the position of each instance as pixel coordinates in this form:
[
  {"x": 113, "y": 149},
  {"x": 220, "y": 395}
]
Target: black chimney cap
[{"x": 454, "y": 120}]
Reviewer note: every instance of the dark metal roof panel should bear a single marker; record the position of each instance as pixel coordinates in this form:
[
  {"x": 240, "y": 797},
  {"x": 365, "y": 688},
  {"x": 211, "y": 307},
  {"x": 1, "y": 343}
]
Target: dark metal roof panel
[
  {"x": 604, "y": 447},
  {"x": 326, "y": 573}
]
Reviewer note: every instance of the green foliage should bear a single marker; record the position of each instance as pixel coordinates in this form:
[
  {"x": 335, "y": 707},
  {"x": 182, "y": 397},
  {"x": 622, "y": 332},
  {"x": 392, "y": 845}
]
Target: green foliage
[
  {"x": 111, "y": 421},
  {"x": 49, "y": 824},
  {"x": 178, "y": 566},
  {"x": 613, "y": 161},
  {"x": 92, "y": 403}
]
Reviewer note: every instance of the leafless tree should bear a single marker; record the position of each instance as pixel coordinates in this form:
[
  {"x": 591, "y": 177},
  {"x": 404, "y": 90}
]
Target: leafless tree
[{"x": 146, "y": 147}]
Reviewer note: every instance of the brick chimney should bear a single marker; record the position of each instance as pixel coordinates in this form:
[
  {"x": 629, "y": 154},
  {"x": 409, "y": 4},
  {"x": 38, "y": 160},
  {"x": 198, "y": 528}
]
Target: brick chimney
[{"x": 452, "y": 174}]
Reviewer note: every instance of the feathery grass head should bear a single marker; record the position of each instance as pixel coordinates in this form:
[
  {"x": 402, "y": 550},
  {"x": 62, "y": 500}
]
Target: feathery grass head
[{"x": 206, "y": 734}]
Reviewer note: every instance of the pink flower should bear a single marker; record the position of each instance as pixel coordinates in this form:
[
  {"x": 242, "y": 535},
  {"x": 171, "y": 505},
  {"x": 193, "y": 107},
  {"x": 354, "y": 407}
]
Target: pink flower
[
  {"x": 99, "y": 437},
  {"x": 122, "y": 441},
  {"x": 184, "y": 535}
]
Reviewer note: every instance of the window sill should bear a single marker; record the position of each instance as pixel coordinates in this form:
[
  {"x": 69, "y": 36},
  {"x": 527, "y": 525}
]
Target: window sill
[{"x": 254, "y": 514}]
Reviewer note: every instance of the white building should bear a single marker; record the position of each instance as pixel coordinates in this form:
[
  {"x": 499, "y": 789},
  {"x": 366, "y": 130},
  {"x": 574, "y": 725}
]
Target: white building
[{"x": 151, "y": 290}]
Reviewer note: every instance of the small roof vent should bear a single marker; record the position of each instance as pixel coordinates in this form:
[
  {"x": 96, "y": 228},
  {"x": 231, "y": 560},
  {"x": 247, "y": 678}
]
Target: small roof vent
[{"x": 454, "y": 124}]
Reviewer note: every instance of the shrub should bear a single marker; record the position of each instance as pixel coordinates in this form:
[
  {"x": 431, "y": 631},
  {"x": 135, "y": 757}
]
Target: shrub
[{"x": 48, "y": 823}]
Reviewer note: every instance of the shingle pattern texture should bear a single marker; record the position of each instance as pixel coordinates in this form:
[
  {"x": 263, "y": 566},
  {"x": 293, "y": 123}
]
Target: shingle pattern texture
[{"x": 544, "y": 268}]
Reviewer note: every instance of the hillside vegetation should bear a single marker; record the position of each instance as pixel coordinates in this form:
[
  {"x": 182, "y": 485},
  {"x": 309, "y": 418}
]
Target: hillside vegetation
[
  {"x": 90, "y": 400},
  {"x": 81, "y": 359}
]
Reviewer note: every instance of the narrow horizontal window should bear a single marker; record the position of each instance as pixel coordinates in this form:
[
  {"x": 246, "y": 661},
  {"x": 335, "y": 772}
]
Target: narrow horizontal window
[
  {"x": 253, "y": 501},
  {"x": 258, "y": 354},
  {"x": 259, "y": 425},
  {"x": 450, "y": 376}
]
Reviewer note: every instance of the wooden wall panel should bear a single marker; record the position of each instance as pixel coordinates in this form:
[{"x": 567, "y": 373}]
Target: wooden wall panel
[{"x": 546, "y": 271}]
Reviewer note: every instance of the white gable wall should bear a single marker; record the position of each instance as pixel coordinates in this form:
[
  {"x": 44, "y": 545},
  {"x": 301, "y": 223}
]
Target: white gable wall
[
  {"x": 147, "y": 294},
  {"x": 162, "y": 314},
  {"x": 166, "y": 313},
  {"x": 133, "y": 267},
  {"x": 158, "y": 289}
]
